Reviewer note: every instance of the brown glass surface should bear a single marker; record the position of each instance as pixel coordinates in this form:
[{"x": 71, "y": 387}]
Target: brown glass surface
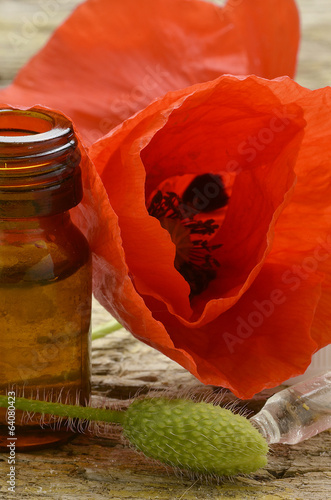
[{"x": 45, "y": 273}]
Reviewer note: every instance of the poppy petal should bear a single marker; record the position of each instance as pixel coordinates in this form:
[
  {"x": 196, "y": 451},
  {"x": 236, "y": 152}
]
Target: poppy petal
[
  {"x": 259, "y": 342},
  {"x": 264, "y": 35},
  {"x": 211, "y": 127},
  {"x": 308, "y": 251},
  {"x": 119, "y": 56},
  {"x": 213, "y": 349}
]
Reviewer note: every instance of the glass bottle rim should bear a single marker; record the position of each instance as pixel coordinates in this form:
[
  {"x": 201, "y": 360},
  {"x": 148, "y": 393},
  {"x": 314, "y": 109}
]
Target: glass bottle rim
[
  {"x": 46, "y": 126},
  {"x": 39, "y": 162},
  {"x": 29, "y": 134}
]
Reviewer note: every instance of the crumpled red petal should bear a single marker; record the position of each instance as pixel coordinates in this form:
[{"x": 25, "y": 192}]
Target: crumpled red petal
[
  {"x": 111, "y": 58},
  {"x": 248, "y": 333},
  {"x": 308, "y": 250},
  {"x": 198, "y": 137},
  {"x": 256, "y": 344}
]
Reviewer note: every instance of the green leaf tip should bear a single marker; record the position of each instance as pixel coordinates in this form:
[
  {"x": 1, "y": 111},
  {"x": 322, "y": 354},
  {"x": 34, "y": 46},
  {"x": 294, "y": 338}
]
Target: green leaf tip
[{"x": 198, "y": 437}]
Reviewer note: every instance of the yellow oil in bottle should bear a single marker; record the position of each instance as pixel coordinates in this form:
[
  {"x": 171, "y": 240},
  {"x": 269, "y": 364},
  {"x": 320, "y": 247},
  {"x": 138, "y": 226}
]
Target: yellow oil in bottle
[{"x": 45, "y": 277}]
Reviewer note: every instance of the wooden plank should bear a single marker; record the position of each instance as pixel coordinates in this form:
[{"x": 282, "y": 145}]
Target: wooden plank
[
  {"x": 25, "y": 25},
  {"x": 314, "y": 68}
]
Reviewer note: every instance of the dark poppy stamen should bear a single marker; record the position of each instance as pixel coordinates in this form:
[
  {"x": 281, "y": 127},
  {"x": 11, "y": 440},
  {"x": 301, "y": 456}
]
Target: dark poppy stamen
[
  {"x": 194, "y": 259},
  {"x": 206, "y": 193}
]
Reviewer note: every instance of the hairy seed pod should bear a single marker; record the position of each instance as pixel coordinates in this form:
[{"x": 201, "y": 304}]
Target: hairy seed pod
[
  {"x": 200, "y": 437},
  {"x": 197, "y": 437}
]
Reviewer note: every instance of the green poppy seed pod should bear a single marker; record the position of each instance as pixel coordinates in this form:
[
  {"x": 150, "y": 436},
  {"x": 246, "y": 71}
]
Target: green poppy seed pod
[{"x": 198, "y": 437}]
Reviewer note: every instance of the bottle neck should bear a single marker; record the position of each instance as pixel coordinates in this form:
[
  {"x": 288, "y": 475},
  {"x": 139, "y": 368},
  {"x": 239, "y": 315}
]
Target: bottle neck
[
  {"x": 39, "y": 164},
  {"x": 266, "y": 425}
]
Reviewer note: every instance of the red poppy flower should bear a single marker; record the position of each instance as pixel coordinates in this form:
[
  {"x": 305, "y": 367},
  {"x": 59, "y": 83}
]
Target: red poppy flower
[
  {"x": 111, "y": 58},
  {"x": 247, "y": 305},
  {"x": 211, "y": 226}
]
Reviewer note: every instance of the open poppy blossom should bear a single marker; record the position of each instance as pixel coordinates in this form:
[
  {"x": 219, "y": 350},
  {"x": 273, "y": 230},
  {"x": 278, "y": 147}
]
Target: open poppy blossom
[
  {"x": 216, "y": 247},
  {"x": 111, "y": 58},
  {"x": 208, "y": 211}
]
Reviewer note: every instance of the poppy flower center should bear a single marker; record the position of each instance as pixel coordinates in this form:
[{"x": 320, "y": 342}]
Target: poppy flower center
[{"x": 194, "y": 255}]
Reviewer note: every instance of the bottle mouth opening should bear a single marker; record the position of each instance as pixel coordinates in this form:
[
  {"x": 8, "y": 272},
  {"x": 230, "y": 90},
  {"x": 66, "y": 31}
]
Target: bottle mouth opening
[
  {"x": 39, "y": 162},
  {"x": 30, "y": 126},
  {"x": 32, "y": 137}
]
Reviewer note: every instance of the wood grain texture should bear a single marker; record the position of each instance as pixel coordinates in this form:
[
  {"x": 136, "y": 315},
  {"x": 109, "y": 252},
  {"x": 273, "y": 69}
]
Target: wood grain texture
[{"x": 104, "y": 467}]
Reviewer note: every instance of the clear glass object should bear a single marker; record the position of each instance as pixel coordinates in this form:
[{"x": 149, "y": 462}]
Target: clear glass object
[
  {"x": 45, "y": 270},
  {"x": 296, "y": 413}
]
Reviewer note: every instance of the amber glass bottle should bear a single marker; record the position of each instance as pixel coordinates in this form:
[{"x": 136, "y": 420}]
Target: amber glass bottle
[{"x": 45, "y": 271}]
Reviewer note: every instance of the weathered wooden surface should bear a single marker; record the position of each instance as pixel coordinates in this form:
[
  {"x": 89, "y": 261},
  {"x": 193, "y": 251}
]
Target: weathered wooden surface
[{"x": 102, "y": 467}]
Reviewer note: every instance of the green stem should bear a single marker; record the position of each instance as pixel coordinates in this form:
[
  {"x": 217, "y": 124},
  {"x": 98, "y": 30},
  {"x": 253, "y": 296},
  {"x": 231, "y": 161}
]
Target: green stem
[
  {"x": 103, "y": 330},
  {"x": 63, "y": 410}
]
